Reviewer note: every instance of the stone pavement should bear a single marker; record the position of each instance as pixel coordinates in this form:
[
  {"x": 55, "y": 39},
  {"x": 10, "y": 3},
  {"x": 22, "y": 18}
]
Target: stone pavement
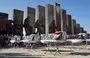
[{"x": 65, "y": 52}]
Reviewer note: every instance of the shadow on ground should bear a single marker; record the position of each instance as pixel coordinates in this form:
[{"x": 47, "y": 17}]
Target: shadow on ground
[
  {"x": 80, "y": 53},
  {"x": 59, "y": 50},
  {"x": 16, "y": 55}
]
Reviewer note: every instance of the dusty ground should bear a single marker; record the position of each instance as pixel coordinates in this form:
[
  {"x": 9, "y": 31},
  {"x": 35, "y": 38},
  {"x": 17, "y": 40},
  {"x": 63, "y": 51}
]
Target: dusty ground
[{"x": 65, "y": 52}]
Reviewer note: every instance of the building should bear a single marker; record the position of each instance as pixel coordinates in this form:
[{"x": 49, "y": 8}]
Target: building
[
  {"x": 18, "y": 21},
  {"x": 49, "y": 19},
  {"x": 57, "y": 16},
  {"x": 31, "y": 18},
  {"x": 41, "y": 18},
  {"x": 3, "y": 22}
]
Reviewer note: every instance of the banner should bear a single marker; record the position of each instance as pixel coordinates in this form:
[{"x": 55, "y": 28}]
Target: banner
[
  {"x": 31, "y": 15},
  {"x": 3, "y": 21},
  {"x": 18, "y": 22},
  {"x": 18, "y": 16}
]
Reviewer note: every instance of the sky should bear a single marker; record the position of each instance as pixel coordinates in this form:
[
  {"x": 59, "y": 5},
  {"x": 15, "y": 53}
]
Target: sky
[{"x": 79, "y": 9}]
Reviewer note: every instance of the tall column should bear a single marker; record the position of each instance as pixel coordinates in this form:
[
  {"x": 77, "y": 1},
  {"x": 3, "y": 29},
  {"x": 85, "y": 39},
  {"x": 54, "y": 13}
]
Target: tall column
[
  {"x": 31, "y": 18},
  {"x": 73, "y": 22},
  {"x": 41, "y": 17},
  {"x": 69, "y": 29},
  {"x": 64, "y": 21},
  {"x": 3, "y": 22},
  {"x": 57, "y": 16},
  {"x": 78, "y": 28},
  {"x": 74, "y": 25},
  {"x": 49, "y": 19},
  {"x": 18, "y": 21},
  {"x": 81, "y": 29}
]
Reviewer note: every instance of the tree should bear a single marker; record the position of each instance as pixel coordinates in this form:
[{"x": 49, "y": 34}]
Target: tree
[
  {"x": 40, "y": 26},
  {"x": 10, "y": 27},
  {"x": 27, "y": 26}
]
